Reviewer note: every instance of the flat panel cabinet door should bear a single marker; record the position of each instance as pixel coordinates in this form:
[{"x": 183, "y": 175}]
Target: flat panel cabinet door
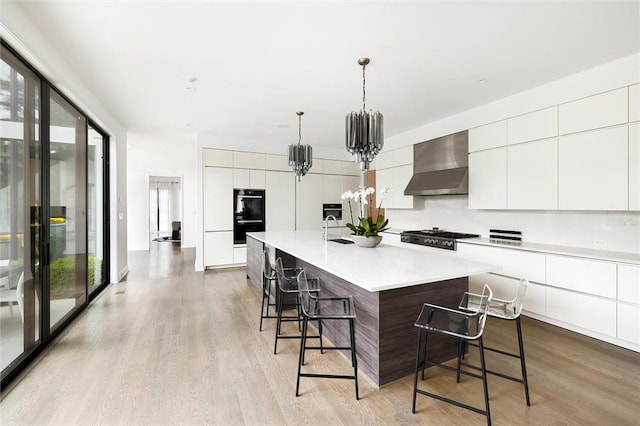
[
  {"x": 593, "y": 170},
  {"x": 280, "y": 199},
  {"x": 588, "y": 312},
  {"x": 583, "y": 275},
  {"x": 401, "y": 177},
  {"x": 491, "y": 135},
  {"x": 488, "y": 179},
  {"x": 629, "y": 323},
  {"x": 634, "y": 167},
  {"x": 218, "y": 158},
  {"x": 532, "y": 175},
  {"x": 593, "y": 112},
  {"x": 331, "y": 188},
  {"x": 218, "y": 199},
  {"x": 384, "y": 178},
  {"x": 309, "y": 203},
  {"x": 533, "y": 126},
  {"x": 218, "y": 248}
]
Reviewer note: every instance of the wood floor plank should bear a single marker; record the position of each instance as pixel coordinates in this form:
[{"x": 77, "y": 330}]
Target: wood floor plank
[{"x": 172, "y": 346}]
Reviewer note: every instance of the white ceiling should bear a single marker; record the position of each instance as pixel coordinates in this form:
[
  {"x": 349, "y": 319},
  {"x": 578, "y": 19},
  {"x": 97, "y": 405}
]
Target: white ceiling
[{"x": 257, "y": 63}]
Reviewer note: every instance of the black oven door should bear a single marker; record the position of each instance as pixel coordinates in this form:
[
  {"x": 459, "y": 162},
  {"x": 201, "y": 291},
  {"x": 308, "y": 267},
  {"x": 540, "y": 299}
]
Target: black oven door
[{"x": 248, "y": 213}]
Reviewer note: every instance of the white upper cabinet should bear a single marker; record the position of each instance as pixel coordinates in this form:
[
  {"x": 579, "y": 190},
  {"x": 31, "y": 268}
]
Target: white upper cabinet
[
  {"x": 245, "y": 178},
  {"x": 248, "y": 160},
  {"x": 488, "y": 136},
  {"x": 384, "y": 160},
  {"x": 277, "y": 162},
  {"x": 384, "y": 178},
  {"x": 530, "y": 127},
  {"x": 532, "y": 175},
  {"x": 488, "y": 179},
  {"x": 401, "y": 177},
  {"x": 593, "y": 170},
  {"x": 350, "y": 168},
  {"x": 331, "y": 189},
  {"x": 634, "y": 102},
  {"x": 606, "y": 109},
  {"x": 402, "y": 156},
  {"x": 218, "y": 199},
  {"x": 218, "y": 158},
  {"x": 332, "y": 167},
  {"x": 634, "y": 167}
]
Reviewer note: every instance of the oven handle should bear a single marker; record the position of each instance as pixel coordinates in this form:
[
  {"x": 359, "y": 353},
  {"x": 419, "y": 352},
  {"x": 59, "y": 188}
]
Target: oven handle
[
  {"x": 249, "y": 196},
  {"x": 249, "y": 221}
]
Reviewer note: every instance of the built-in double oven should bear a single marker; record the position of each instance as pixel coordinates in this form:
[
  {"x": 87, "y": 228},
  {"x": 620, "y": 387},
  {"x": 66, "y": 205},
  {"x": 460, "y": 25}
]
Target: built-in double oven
[{"x": 248, "y": 213}]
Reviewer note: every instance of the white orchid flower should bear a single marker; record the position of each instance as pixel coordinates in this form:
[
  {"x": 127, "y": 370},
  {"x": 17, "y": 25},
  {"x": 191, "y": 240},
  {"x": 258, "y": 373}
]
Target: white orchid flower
[
  {"x": 370, "y": 190},
  {"x": 348, "y": 195}
]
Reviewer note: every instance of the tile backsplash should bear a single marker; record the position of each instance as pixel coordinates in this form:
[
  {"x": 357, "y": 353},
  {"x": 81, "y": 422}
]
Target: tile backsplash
[{"x": 603, "y": 230}]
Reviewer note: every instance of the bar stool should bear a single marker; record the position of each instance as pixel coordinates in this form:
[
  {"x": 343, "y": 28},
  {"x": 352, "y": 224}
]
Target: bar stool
[
  {"x": 288, "y": 284},
  {"x": 315, "y": 307},
  {"x": 508, "y": 310},
  {"x": 465, "y": 325},
  {"x": 268, "y": 277}
]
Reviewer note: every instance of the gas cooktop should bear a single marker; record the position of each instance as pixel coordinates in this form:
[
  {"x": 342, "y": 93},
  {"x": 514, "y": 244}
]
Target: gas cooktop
[{"x": 434, "y": 238}]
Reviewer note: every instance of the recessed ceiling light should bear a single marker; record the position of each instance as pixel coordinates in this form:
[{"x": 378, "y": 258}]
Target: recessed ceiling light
[
  {"x": 481, "y": 81},
  {"x": 282, "y": 126}
]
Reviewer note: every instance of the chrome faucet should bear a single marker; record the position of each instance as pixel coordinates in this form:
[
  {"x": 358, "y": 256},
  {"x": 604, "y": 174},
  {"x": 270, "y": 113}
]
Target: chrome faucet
[{"x": 326, "y": 226}]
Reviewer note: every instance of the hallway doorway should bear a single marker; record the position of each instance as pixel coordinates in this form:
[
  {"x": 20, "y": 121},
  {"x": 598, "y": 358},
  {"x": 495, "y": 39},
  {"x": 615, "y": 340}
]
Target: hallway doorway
[{"x": 165, "y": 209}]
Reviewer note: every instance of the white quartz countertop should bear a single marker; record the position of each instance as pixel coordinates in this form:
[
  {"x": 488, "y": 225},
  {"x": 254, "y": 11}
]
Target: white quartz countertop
[
  {"x": 374, "y": 269},
  {"x": 614, "y": 256}
]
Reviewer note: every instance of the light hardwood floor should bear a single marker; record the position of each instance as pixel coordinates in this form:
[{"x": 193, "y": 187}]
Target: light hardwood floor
[{"x": 172, "y": 346}]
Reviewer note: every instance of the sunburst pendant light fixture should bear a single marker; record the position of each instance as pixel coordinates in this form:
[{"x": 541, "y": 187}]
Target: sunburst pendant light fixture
[
  {"x": 364, "y": 130},
  {"x": 300, "y": 155}
]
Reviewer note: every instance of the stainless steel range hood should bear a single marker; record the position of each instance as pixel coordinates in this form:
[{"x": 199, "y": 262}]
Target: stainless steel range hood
[{"x": 440, "y": 166}]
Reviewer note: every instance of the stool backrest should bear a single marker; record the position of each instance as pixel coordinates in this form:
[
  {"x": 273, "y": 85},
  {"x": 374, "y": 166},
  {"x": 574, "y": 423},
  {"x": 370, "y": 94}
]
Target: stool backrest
[
  {"x": 286, "y": 283},
  {"x": 518, "y": 302},
  {"x": 308, "y": 301},
  {"x": 476, "y": 326},
  {"x": 267, "y": 270}
]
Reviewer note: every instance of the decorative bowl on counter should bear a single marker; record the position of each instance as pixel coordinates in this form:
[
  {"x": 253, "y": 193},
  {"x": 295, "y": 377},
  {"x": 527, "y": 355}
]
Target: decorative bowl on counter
[{"x": 368, "y": 242}]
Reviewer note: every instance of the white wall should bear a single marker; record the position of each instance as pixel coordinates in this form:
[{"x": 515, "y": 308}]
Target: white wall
[
  {"x": 32, "y": 43},
  {"x": 161, "y": 155},
  {"x": 620, "y": 230}
]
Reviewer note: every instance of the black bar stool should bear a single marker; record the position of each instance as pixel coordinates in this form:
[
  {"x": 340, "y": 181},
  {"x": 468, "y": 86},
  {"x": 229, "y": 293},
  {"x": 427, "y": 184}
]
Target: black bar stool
[
  {"x": 288, "y": 284},
  {"x": 465, "y": 325},
  {"x": 319, "y": 308},
  {"x": 268, "y": 277},
  {"x": 508, "y": 310}
]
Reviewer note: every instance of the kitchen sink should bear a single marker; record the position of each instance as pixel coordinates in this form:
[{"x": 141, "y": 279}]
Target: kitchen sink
[{"x": 341, "y": 240}]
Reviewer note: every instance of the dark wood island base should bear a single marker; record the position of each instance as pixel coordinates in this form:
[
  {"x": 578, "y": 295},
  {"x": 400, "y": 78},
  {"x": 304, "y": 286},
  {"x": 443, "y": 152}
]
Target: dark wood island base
[{"x": 385, "y": 335}]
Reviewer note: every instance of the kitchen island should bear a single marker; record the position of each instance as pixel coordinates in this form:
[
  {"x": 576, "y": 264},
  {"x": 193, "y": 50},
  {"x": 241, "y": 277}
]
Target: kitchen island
[{"x": 389, "y": 285}]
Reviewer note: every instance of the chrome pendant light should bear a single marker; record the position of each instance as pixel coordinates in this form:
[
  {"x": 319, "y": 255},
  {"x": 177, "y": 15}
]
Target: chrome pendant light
[
  {"x": 364, "y": 130},
  {"x": 300, "y": 155}
]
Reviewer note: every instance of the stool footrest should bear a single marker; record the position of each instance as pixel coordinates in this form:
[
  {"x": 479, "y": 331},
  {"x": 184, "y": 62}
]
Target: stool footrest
[
  {"x": 328, "y": 376},
  {"x": 330, "y": 348},
  {"x": 495, "y": 373},
  {"x": 452, "y": 401},
  {"x": 486, "y": 348},
  {"x": 446, "y": 367}
]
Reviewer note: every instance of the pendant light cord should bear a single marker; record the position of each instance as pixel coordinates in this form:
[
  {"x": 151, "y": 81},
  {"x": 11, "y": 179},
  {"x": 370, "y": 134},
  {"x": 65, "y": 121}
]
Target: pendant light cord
[{"x": 299, "y": 128}]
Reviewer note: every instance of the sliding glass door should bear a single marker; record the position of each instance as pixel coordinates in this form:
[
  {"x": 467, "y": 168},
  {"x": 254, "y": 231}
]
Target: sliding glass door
[
  {"x": 20, "y": 198},
  {"x": 53, "y": 212},
  {"x": 66, "y": 208}
]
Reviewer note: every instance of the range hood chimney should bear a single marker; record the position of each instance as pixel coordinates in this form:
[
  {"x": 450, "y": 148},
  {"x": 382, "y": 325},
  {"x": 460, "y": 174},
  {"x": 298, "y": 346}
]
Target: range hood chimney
[{"x": 440, "y": 166}]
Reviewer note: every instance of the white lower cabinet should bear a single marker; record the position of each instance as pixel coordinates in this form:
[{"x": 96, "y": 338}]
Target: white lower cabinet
[
  {"x": 582, "y": 310},
  {"x": 583, "y": 275},
  {"x": 629, "y": 323},
  {"x": 239, "y": 255},
  {"x": 218, "y": 248}
]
